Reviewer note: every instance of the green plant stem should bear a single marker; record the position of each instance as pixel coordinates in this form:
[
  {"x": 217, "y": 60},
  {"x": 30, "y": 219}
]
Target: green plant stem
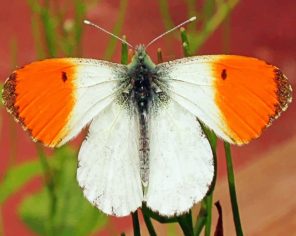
[
  {"x": 212, "y": 24},
  {"x": 35, "y": 22},
  {"x": 165, "y": 13},
  {"x": 208, "y": 9},
  {"x": 226, "y": 34},
  {"x": 157, "y": 217},
  {"x": 37, "y": 36},
  {"x": 232, "y": 192},
  {"x": 191, "y": 9},
  {"x": 208, "y": 223},
  {"x": 201, "y": 219},
  {"x": 136, "y": 224},
  {"x": 206, "y": 206},
  {"x": 110, "y": 48},
  {"x": 185, "y": 42},
  {"x": 80, "y": 13},
  {"x": 213, "y": 142},
  {"x": 49, "y": 182},
  {"x": 185, "y": 222},
  {"x": 124, "y": 52},
  {"x": 49, "y": 29},
  {"x": 149, "y": 225}
]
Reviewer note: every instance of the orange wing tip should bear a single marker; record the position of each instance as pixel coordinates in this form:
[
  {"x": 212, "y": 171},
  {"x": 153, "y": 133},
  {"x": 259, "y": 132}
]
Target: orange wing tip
[
  {"x": 284, "y": 95},
  {"x": 284, "y": 91},
  {"x": 9, "y": 95},
  {"x": 9, "y": 98},
  {"x": 59, "y": 75},
  {"x": 267, "y": 94},
  {"x": 284, "y": 98}
]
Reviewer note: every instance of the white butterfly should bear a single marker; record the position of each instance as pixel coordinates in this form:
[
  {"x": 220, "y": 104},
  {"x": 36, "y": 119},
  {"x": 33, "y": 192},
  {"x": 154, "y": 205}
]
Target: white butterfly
[{"x": 144, "y": 142}]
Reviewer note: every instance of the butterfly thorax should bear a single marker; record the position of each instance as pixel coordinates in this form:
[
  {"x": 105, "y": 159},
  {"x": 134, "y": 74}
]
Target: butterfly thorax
[{"x": 141, "y": 75}]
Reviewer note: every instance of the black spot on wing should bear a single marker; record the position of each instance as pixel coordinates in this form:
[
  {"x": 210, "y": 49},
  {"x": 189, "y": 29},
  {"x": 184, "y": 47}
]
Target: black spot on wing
[
  {"x": 64, "y": 76},
  {"x": 224, "y": 74}
]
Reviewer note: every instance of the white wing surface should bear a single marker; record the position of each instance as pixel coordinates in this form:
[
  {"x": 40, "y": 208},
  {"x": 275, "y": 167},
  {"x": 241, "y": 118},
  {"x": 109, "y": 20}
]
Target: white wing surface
[
  {"x": 96, "y": 86},
  {"x": 108, "y": 170},
  {"x": 190, "y": 82},
  {"x": 181, "y": 162}
]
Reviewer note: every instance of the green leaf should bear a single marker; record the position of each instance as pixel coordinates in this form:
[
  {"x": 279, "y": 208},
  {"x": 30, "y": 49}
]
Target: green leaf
[
  {"x": 74, "y": 215},
  {"x": 16, "y": 177}
]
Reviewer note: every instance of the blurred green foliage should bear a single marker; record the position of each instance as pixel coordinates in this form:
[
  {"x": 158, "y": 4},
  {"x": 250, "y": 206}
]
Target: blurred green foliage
[
  {"x": 59, "y": 208},
  {"x": 210, "y": 16},
  {"x": 74, "y": 215},
  {"x": 18, "y": 176}
]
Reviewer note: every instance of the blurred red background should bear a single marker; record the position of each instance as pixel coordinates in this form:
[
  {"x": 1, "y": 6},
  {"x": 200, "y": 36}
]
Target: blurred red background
[{"x": 258, "y": 28}]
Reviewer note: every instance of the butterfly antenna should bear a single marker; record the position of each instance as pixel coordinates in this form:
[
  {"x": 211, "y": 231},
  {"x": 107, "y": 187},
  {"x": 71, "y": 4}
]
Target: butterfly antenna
[
  {"x": 107, "y": 32},
  {"x": 169, "y": 31}
]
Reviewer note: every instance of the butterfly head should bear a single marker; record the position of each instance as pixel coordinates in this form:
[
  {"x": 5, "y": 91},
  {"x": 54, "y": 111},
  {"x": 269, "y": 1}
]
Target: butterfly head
[{"x": 141, "y": 58}]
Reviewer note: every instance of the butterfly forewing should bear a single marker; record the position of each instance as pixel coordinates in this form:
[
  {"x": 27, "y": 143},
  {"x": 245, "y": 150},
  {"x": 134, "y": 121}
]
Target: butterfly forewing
[
  {"x": 54, "y": 99},
  {"x": 235, "y": 96}
]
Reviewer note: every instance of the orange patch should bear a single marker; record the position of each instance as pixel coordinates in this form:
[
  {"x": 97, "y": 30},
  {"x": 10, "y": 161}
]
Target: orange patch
[
  {"x": 250, "y": 94},
  {"x": 40, "y": 96}
]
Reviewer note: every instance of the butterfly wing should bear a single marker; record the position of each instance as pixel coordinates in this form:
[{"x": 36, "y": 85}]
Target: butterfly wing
[
  {"x": 55, "y": 98},
  {"x": 235, "y": 96},
  {"x": 108, "y": 169},
  {"x": 181, "y": 161}
]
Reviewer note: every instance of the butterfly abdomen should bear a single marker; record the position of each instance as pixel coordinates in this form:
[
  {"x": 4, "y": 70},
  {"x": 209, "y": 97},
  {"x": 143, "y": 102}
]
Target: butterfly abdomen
[
  {"x": 144, "y": 149},
  {"x": 141, "y": 96}
]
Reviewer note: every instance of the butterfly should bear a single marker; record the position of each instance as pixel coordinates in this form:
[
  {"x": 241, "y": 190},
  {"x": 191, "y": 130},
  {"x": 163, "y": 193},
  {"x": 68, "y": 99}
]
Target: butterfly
[{"x": 144, "y": 142}]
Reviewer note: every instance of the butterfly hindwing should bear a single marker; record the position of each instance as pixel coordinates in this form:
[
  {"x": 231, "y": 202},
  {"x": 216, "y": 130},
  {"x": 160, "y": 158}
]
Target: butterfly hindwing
[
  {"x": 235, "y": 96},
  {"x": 108, "y": 168},
  {"x": 55, "y": 98},
  {"x": 181, "y": 161}
]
